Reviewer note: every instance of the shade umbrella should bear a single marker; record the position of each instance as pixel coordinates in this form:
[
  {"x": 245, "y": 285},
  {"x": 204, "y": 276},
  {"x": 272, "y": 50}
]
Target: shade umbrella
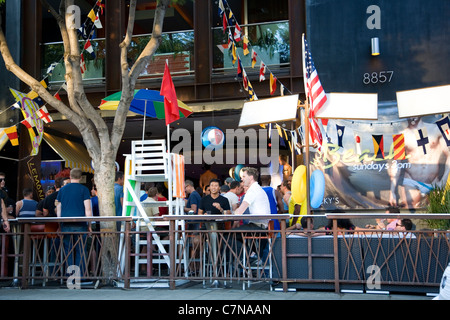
[{"x": 145, "y": 102}]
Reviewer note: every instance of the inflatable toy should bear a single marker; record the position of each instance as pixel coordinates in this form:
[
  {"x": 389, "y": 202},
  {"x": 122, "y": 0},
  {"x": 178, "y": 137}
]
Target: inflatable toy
[
  {"x": 316, "y": 188},
  {"x": 298, "y": 184},
  {"x": 213, "y": 137},
  {"x": 237, "y": 172}
]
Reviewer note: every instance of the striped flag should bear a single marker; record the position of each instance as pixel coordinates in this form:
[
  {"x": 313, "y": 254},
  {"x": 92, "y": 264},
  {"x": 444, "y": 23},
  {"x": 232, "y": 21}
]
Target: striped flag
[
  {"x": 399, "y": 146},
  {"x": 315, "y": 93},
  {"x": 315, "y": 90},
  {"x": 11, "y": 132}
]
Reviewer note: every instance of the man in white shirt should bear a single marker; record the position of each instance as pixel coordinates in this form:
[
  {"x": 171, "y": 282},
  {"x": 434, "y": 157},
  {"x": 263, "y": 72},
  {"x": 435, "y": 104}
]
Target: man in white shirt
[{"x": 256, "y": 200}]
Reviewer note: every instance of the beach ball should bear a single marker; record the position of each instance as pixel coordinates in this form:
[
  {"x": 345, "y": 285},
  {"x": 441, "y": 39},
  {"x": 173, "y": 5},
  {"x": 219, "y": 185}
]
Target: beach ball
[
  {"x": 237, "y": 172},
  {"x": 213, "y": 137}
]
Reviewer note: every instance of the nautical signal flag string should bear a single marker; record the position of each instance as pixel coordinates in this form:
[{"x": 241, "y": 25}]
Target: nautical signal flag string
[
  {"x": 398, "y": 149},
  {"x": 229, "y": 21},
  {"x": 31, "y": 104}
]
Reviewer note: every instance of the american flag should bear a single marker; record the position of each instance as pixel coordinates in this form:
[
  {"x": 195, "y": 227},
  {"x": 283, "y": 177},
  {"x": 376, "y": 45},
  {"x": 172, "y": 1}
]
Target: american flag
[{"x": 315, "y": 92}]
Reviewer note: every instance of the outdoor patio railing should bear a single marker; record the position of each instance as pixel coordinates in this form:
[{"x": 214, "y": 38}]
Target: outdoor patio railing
[{"x": 363, "y": 260}]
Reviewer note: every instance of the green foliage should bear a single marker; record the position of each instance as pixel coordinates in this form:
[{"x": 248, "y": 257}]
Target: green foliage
[{"x": 439, "y": 202}]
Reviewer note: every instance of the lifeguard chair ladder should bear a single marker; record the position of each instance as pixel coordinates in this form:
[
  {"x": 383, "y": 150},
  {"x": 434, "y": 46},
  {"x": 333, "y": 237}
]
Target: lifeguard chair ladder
[{"x": 150, "y": 162}]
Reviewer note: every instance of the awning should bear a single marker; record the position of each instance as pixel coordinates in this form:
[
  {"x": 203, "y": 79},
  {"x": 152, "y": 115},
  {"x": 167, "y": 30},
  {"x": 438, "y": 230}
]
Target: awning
[{"x": 75, "y": 154}]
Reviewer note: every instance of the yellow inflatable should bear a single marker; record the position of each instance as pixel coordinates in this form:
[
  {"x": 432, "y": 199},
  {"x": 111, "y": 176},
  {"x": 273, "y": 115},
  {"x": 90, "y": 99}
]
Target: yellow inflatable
[{"x": 298, "y": 184}]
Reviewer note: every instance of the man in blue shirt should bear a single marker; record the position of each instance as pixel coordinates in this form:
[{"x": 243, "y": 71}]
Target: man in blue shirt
[
  {"x": 118, "y": 195},
  {"x": 74, "y": 200},
  {"x": 193, "y": 202}
]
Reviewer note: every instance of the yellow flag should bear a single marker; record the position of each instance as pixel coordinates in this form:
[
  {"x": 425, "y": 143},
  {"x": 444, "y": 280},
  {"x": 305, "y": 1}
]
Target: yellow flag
[{"x": 246, "y": 51}]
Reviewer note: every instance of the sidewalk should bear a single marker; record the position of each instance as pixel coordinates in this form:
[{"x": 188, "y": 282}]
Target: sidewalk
[{"x": 190, "y": 292}]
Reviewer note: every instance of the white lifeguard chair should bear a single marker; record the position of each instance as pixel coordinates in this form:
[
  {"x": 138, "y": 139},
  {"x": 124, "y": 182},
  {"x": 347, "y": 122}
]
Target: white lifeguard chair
[{"x": 150, "y": 161}]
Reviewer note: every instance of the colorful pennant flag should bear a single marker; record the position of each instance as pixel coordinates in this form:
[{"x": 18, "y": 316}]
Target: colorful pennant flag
[
  {"x": 262, "y": 71},
  {"x": 88, "y": 26},
  {"x": 11, "y": 132},
  {"x": 237, "y": 33},
  {"x": 273, "y": 84},
  {"x": 89, "y": 48},
  {"x": 98, "y": 23},
  {"x": 223, "y": 14},
  {"x": 254, "y": 55},
  {"x": 28, "y": 122},
  {"x": 233, "y": 52},
  {"x": 245, "y": 79},
  {"x": 378, "y": 146},
  {"x": 222, "y": 47},
  {"x": 340, "y": 134},
  {"x": 444, "y": 127},
  {"x": 399, "y": 146},
  {"x": 245, "y": 46},
  {"x": 239, "y": 69},
  {"x": 251, "y": 92},
  {"x": 358, "y": 144},
  {"x": 44, "y": 115},
  {"x": 422, "y": 139},
  {"x": 51, "y": 68},
  {"x": 82, "y": 64}
]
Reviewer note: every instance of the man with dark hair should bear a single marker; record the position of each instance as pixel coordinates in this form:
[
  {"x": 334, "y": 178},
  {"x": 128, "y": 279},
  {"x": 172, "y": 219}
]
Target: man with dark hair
[
  {"x": 193, "y": 202},
  {"x": 27, "y": 206},
  {"x": 74, "y": 200},
  {"x": 214, "y": 203}
]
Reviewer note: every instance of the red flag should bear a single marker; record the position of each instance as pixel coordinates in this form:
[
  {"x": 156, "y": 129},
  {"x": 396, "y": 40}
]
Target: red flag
[{"x": 171, "y": 109}]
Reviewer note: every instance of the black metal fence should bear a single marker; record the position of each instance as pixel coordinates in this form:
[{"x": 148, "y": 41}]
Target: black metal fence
[{"x": 406, "y": 261}]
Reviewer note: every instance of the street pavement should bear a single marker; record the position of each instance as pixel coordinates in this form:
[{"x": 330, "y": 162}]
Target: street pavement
[{"x": 190, "y": 292}]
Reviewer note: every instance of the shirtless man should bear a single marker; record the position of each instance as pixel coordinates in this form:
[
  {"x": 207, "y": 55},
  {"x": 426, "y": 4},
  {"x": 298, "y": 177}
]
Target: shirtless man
[{"x": 425, "y": 170}]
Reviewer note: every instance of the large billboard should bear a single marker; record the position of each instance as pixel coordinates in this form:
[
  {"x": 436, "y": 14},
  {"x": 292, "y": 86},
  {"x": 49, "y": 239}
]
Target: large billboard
[{"x": 373, "y": 165}]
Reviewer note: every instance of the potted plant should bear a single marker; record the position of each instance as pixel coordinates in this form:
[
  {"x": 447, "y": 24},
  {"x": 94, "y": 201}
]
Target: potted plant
[{"x": 439, "y": 202}]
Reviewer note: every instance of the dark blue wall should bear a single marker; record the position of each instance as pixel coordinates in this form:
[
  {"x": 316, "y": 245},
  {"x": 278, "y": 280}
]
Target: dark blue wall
[{"x": 414, "y": 43}]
